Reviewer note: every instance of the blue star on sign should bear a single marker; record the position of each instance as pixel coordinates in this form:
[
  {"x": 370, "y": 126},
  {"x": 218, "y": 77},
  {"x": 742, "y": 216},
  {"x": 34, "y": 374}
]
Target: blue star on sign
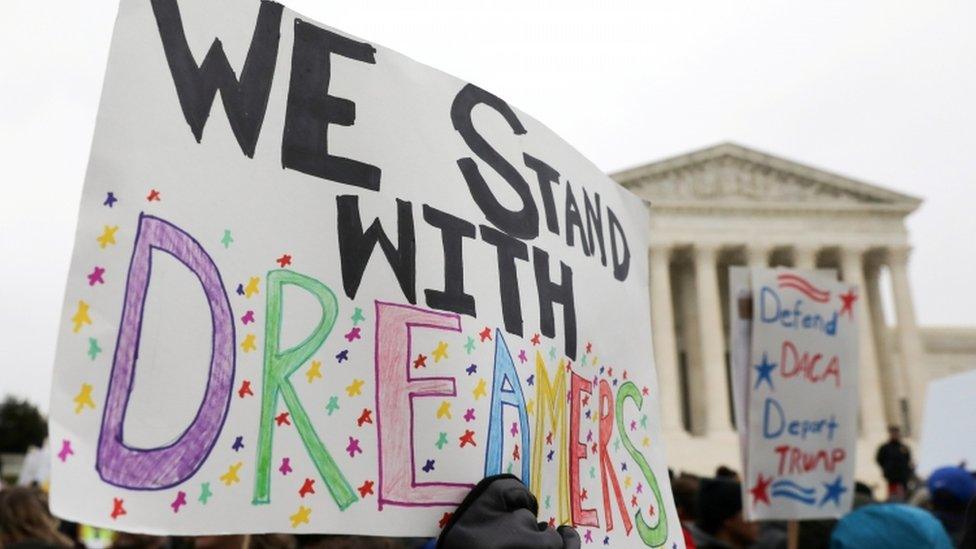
[
  {"x": 765, "y": 370},
  {"x": 834, "y": 491}
]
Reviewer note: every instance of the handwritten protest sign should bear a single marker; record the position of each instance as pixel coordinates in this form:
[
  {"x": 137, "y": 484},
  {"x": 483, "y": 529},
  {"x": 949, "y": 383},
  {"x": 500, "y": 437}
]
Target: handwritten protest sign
[
  {"x": 337, "y": 297},
  {"x": 797, "y": 399}
]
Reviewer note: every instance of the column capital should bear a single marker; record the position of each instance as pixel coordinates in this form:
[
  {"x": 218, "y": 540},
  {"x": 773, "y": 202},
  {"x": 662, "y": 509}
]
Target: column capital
[
  {"x": 852, "y": 252},
  {"x": 897, "y": 254},
  {"x": 702, "y": 249}
]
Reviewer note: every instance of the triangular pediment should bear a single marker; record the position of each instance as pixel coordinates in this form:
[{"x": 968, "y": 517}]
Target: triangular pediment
[{"x": 733, "y": 175}]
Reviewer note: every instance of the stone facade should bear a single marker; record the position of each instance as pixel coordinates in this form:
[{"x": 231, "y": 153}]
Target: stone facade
[{"x": 730, "y": 205}]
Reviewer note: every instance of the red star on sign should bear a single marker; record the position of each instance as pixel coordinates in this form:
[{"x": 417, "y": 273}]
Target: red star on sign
[
  {"x": 245, "y": 389},
  {"x": 552, "y": 522},
  {"x": 284, "y": 260},
  {"x": 760, "y": 491},
  {"x": 589, "y": 347},
  {"x": 366, "y": 488},
  {"x": 535, "y": 339},
  {"x": 645, "y": 391},
  {"x": 282, "y": 419},
  {"x": 307, "y": 488},
  {"x": 365, "y": 417},
  {"x": 583, "y": 495},
  {"x": 651, "y": 509},
  {"x": 444, "y": 520},
  {"x": 153, "y": 196},
  {"x": 467, "y": 438},
  {"x": 117, "y": 508},
  {"x": 633, "y": 501},
  {"x": 420, "y": 362},
  {"x": 847, "y": 301},
  {"x": 485, "y": 334}
]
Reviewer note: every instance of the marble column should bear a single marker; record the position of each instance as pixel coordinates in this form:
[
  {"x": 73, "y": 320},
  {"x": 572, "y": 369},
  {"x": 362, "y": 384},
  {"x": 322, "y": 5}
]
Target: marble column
[
  {"x": 872, "y": 410},
  {"x": 662, "y": 330},
  {"x": 890, "y": 381},
  {"x": 716, "y": 395},
  {"x": 805, "y": 258},
  {"x": 915, "y": 377},
  {"x": 757, "y": 255}
]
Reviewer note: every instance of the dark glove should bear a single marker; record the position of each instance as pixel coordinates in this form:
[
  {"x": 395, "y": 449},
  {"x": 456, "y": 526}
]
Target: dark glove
[{"x": 500, "y": 513}]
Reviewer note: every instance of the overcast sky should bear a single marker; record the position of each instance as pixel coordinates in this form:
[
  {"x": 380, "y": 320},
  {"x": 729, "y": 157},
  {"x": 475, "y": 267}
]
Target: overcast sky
[{"x": 881, "y": 91}]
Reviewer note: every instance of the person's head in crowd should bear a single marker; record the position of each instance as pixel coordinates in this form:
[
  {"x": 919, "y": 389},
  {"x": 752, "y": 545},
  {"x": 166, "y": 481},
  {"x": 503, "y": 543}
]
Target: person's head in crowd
[
  {"x": 889, "y": 526},
  {"x": 894, "y": 433},
  {"x": 863, "y": 495},
  {"x": 950, "y": 490},
  {"x": 815, "y": 534},
  {"x": 126, "y": 540},
  {"x": 25, "y": 521},
  {"x": 685, "y": 490},
  {"x": 727, "y": 473},
  {"x": 720, "y": 513}
]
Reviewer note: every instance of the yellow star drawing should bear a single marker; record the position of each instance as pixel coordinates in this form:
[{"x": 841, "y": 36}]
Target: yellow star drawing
[
  {"x": 647, "y": 442},
  {"x": 107, "y": 237},
  {"x": 440, "y": 352},
  {"x": 252, "y": 286},
  {"x": 530, "y": 406},
  {"x": 594, "y": 361},
  {"x": 300, "y": 517},
  {"x": 355, "y": 388},
  {"x": 83, "y": 398},
  {"x": 81, "y": 317},
  {"x": 230, "y": 477},
  {"x": 444, "y": 410},
  {"x": 313, "y": 371},
  {"x": 479, "y": 390},
  {"x": 628, "y": 481},
  {"x": 248, "y": 344}
]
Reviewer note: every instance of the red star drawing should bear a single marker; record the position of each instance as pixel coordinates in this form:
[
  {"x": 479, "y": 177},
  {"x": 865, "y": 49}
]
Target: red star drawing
[
  {"x": 609, "y": 372},
  {"x": 594, "y": 448},
  {"x": 467, "y": 438},
  {"x": 535, "y": 339},
  {"x": 366, "y": 489},
  {"x": 308, "y": 487},
  {"x": 760, "y": 491},
  {"x": 589, "y": 347},
  {"x": 153, "y": 196},
  {"x": 847, "y": 301},
  {"x": 365, "y": 417},
  {"x": 552, "y": 522},
  {"x": 420, "y": 362},
  {"x": 549, "y": 438},
  {"x": 284, "y": 260},
  {"x": 650, "y": 509},
  {"x": 444, "y": 520},
  {"x": 586, "y": 400},
  {"x": 583, "y": 495},
  {"x": 645, "y": 391},
  {"x": 117, "y": 509},
  {"x": 633, "y": 501},
  {"x": 245, "y": 389},
  {"x": 485, "y": 334},
  {"x": 282, "y": 419},
  {"x": 515, "y": 453}
]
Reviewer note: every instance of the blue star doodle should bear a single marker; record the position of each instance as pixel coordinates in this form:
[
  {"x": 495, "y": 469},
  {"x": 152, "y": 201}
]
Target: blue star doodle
[
  {"x": 765, "y": 371},
  {"x": 834, "y": 491}
]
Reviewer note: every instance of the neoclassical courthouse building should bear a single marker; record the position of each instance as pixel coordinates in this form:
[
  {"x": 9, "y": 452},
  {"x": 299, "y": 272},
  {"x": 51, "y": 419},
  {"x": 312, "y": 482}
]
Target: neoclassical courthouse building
[{"x": 731, "y": 205}]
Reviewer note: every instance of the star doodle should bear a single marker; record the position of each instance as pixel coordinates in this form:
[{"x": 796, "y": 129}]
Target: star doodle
[
  {"x": 153, "y": 196},
  {"x": 467, "y": 438},
  {"x": 588, "y": 536},
  {"x": 469, "y": 415},
  {"x": 314, "y": 371},
  {"x": 238, "y": 443},
  {"x": 95, "y": 277},
  {"x": 441, "y": 440},
  {"x": 444, "y": 410},
  {"x": 357, "y": 317},
  {"x": 245, "y": 389},
  {"x": 227, "y": 240},
  {"x": 80, "y": 317},
  {"x": 471, "y": 369},
  {"x": 230, "y": 477},
  {"x": 589, "y": 347},
  {"x": 355, "y": 388},
  {"x": 342, "y": 356},
  {"x": 307, "y": 488},
  {"x": 283, "y": 261},
  {"x": 485, "y": 334},
  {"x": 440, "y": 352},
  {"x": 93, "y": 348},
  {"x": 300, "y": 516},
  {"x": 118, "y": 508},
  {"x": 420, "y": 361},
  {"x": 480, "y": 389},
  {"x": 249, "y": 344},
  {"x": 515, "y": 453},
  {"x": 365, "y": 417},
  {"x": 445, "y": 518},
  {"x": 760, "y": 490},
  {"x": 66, "y": 450},
  {"x": 282, "y": 419},
  {"x": 643, "y": 421},
  {"x": 847, "y": 303},
  {"x": 429, "y": 466},
  {"x": 550, "y": 454},
  {"x": 646, "y": 391},
  {"x": 110, "y": 199},
  {"x": 834, "y": 490},
  {"x": 333, "y": 405},
  {"x": 548, "y": 502},
  {"x": 107, "y": 238},
  {"x": 252, "y": 286},
  {"x": 531, "y": 380},
  {"x": 583, "y": 495},
  {"x": 84, "y": 398},
  {"x": 633, "y": 425},
  {"x": 353, "y": 447},
  {"x": 535, "y": 340},
  {"x": 247, "y": 317},
  {"x": 285, "y": 466},
  {"x": 353, "y": 334},
  {"x": 365, "y": 489},
  {"x": 764, "y": 371},
  {"x": 521, "y": 356},
  {"x": 514, "y": 430},
  {"x": 552, "y": 353},
  {"x": 205, "y": 493},
  {"x": 180, "y": 501},
  {"x": 240, "y": 289},
  {"x": 628, "y": 480}
]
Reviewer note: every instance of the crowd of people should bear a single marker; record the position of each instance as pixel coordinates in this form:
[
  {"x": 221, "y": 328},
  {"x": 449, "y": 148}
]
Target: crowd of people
[{"x": 937, "y": 513}]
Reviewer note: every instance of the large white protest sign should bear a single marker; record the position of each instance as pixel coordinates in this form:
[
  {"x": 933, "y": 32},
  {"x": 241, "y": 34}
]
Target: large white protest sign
[
  {"x": 948, "y": 414},
  {"x": 319, "y": 287},
  {"x": 796, "y": 397}
]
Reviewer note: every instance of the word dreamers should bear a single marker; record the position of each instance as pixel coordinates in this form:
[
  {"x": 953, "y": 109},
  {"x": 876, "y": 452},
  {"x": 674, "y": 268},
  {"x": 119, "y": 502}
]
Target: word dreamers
[
  {"x": 775, "y": 423},
  {"x": 310, "y": 111},
  {"x": 772, "y": 310},
  {"x": 559, "y": 398}
]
